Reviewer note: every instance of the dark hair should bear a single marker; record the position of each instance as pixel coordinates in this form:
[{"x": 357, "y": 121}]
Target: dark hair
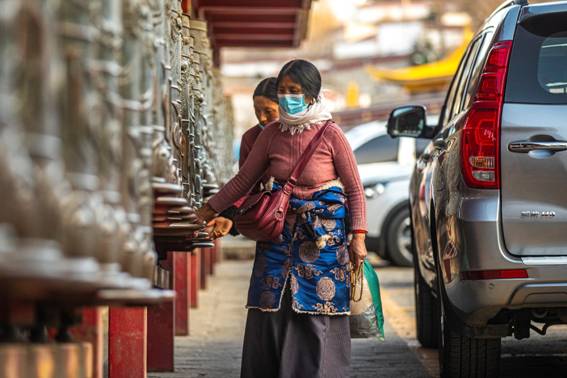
[
  {"x": 267, "y": 88},
  {"x": 304, "y": 73}
]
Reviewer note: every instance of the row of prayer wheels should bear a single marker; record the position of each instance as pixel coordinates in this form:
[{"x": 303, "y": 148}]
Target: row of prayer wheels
[{"x": 113, "y": 130}]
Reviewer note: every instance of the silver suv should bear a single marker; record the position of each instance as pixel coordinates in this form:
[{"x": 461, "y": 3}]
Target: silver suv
[{"x": 488, "y": 197}]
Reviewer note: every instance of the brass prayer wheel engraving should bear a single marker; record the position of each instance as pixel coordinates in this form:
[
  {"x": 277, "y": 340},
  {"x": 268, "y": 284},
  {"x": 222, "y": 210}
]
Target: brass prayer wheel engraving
[{"x": 113, "y": 130}]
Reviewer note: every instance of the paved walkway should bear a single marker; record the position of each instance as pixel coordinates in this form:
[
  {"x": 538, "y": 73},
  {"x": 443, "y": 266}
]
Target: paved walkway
[{"x": 217, "y": 327}]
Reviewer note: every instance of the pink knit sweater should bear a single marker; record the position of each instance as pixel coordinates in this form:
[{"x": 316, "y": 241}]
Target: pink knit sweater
[
  {"x": 275, "y": 154},
  {"x": 246, "y": 143}
]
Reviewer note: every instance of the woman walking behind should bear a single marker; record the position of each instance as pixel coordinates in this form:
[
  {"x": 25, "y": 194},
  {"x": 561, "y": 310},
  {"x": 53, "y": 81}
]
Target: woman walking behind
[
  {"x": 266, "y": 108},
  {"x": 298, "y": 300}
]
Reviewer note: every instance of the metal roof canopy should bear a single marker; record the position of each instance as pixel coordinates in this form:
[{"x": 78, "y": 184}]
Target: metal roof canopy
[{"x": 254, "y": 23}]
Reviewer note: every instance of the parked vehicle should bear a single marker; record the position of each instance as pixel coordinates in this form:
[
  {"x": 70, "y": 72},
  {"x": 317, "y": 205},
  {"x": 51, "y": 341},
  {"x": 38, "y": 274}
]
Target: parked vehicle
[
  {"x": 385, "y": 166},
  {"x": 487, "y": 196}
]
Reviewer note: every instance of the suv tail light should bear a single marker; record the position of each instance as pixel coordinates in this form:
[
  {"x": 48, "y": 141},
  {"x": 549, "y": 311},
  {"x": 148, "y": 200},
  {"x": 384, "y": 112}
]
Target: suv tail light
[
  {"x": 500, "y": 274},
  {"x": 481, "y": 133}
]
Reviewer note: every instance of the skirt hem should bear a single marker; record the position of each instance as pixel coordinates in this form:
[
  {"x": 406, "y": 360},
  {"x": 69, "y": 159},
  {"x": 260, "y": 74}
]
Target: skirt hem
[
  {"x": 263, "y": 309},
  {"x": 296, "y": 310}
]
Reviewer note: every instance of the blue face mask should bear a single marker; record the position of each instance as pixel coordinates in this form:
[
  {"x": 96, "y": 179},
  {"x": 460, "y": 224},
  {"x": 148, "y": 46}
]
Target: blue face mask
[{"x": 292, "y": 103}]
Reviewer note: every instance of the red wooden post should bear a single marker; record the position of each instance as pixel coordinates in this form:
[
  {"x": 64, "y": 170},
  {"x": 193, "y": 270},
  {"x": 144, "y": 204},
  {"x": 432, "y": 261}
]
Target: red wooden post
[
  {"x": 218, "y": 251},
  {"x": 195, "y": 277},
  {"x": 91, "y": 330},
  {"x": 17, "y": 313},
  {"x": 182, "y": 292},
  {"x": 210, "y": 260},
  {"x": 188, "y": 257},
  {"x": 205, "y": 257},
  {"x": 213, "y": 259},
  {"x": 186, "y": 6},
  {"x": 161, "y": 328},
  {"x": 127, "y": 338}
]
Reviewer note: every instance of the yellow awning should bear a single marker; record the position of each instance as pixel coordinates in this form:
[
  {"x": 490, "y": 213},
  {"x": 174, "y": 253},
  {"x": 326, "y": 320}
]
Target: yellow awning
[{"x": 425, "y": 77}]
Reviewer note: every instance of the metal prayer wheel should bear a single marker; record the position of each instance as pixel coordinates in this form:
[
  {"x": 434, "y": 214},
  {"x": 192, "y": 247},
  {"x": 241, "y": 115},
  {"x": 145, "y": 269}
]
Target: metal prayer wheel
[
  {"x": 163, "y": 168},
  {"x": 175, "y": 83},
  {"x": 30, "y": 169},
  {"x": 205, "y": 121},
  {"x": 113, "y": 130},
  {"x": 136, "y": 96},
  {"x": 198, "y": 30},
  {"x": 80, "y": 114},
  {"x": 107, "y": 135},
  {"x": 187, "y": 109}
]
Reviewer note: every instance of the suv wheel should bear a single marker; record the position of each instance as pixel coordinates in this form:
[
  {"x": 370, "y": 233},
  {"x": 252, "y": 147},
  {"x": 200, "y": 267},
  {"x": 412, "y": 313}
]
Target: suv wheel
[
  {"x": 398, "y": 238},
  {"x": 426, "y": 313},
  {"x": 463, "y": 356}
]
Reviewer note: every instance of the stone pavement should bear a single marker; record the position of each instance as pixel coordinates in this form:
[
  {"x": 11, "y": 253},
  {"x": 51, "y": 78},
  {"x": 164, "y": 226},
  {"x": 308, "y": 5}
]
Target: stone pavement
[
  {"x": 214, "y": 346},
  {"x": 213, "y": 349}
]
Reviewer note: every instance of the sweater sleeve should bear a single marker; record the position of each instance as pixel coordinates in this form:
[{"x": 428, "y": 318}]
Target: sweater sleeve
[
  {"x": 347, "y": 170},
  {"x": 250, "y": 172},
  {"x": 245, "y": 147}
]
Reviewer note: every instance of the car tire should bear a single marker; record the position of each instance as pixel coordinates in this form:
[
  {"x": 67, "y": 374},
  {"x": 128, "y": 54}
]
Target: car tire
[
  {"x": 426, "y": 313},
  {"x": 464, "y": 356},
  {"x": 398, "y": 238}
]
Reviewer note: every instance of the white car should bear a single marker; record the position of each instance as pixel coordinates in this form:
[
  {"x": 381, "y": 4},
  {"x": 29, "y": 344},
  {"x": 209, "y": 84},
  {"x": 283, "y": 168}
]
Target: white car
[{"x": 385, "y": 165}]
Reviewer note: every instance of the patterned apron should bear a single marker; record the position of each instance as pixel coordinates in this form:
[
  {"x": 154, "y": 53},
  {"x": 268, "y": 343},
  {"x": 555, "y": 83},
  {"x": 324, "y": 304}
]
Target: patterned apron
[{"x": 312, "y": 253}]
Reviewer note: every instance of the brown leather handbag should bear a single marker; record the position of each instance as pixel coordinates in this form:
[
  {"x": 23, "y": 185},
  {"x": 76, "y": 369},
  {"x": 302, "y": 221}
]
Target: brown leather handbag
[{"x": 262, "y": 215}]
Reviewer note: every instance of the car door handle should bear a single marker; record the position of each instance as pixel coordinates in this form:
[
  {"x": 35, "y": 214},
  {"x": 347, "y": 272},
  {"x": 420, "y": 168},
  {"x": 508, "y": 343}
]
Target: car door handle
[{"x": 525, "y": 146}]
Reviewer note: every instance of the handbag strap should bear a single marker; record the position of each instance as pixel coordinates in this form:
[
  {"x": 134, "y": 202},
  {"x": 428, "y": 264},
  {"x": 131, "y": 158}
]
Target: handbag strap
[{"x": 307, "y": 154}]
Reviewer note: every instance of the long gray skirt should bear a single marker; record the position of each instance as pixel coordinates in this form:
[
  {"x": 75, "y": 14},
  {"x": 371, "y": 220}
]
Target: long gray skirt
[{"x": 285, "y": 344}]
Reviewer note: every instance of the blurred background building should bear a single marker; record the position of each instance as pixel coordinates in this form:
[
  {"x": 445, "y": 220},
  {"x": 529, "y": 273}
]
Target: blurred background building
[{"x": 373, "y": 54}]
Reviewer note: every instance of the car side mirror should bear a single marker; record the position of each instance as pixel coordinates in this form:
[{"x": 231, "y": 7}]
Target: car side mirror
[{"x": 408, "y": 121}]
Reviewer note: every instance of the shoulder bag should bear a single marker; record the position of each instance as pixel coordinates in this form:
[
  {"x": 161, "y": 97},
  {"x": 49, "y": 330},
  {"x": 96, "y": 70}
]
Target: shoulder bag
[{"x": 262, "y": 215}]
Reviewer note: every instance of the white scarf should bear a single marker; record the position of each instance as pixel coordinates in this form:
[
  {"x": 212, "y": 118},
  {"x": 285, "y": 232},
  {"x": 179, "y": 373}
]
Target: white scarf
[{"x": 297, "y": 123}]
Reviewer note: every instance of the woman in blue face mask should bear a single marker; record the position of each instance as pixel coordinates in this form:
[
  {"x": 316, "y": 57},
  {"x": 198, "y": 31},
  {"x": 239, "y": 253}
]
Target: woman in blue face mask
[
  {"x": 299, "y": 295},
  {"x": 299, "y": 98}
]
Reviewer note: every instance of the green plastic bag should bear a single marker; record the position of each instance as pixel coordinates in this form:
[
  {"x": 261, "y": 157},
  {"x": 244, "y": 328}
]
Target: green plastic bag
[{"x": 366, "y": 318}]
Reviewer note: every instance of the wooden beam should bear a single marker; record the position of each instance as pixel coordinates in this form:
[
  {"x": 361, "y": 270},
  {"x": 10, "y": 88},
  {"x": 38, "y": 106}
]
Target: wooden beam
[
  {"x": 204, "y": 12},
  {"x": 218, "y": 17},
  {"x": 254, "y": 37},
  {"x": 251, "y": 29},
  {"x": 300, "y": 27},
  {"x": 232, "y": 43},
  {"x": 252, "y": 3},
  {"x": 253, "y": 25}
]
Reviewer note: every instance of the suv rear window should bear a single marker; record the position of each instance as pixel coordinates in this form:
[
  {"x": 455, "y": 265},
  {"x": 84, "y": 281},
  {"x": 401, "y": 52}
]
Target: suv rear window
[{"x": 538, "y": 64}]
